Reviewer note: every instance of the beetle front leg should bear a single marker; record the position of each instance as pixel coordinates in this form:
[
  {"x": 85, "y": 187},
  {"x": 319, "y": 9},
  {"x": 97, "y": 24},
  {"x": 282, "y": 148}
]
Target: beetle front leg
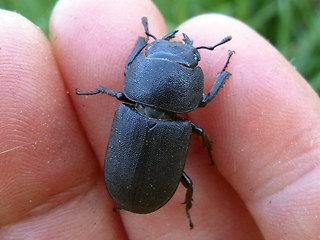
[
  {"x": 141, "y": 43},
  {"x": 206, "y": 141},
  {"x": 220, "y": 80},
  {"x": 118, "y": 95},
  {"x": 187, "y": 183}
]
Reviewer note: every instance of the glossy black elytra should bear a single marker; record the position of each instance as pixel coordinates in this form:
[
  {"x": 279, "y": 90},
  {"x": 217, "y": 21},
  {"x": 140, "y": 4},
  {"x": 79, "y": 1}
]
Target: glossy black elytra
[{"x": 148, "y": 143}]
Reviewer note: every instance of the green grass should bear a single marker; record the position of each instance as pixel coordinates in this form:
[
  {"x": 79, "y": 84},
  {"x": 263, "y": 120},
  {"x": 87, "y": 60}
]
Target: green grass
[
  {"x": 293, "y": 26},
  {"x": 38, "y": 11}
]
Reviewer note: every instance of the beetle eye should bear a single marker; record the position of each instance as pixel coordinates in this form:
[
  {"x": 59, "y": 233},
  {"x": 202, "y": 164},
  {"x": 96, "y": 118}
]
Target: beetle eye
[{"x": 196, "y": 56}]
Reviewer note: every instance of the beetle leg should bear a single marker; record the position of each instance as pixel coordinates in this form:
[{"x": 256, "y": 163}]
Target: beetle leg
[
  {"x": 187, "y": 183},
  {"x": 206, "y": 141},
  {"x": 141, "y": 43},
  {"x": 220, "y": 80},
  {"x": 118, "y": 95}
]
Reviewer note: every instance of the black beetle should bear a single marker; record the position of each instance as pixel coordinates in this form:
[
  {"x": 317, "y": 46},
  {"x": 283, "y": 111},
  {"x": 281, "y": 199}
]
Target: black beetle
[{"x": 148, "y": 142}]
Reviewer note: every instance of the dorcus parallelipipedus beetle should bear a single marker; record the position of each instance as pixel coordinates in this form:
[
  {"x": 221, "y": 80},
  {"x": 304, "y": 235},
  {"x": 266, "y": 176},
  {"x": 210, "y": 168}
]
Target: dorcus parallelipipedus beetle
[{"x": 148, "y": 142}]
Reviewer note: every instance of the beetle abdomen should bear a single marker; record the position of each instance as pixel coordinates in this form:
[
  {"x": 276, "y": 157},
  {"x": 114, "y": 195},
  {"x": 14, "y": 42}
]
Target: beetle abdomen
[
  {"x": 163, "y": 84},
  {"x": 145, "y": 159}
]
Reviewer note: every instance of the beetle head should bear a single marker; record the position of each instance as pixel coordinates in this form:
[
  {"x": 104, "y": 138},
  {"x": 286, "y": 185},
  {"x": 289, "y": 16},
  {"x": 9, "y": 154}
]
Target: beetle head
[{"x": 183, "y": 54}]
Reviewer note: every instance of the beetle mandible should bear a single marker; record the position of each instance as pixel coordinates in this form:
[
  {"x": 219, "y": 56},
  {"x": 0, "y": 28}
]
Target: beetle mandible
[{"x": 148, "y": 142}]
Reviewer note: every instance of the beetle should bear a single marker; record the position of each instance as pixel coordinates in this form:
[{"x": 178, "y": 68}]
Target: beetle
[{"x": 148, "y": 143}]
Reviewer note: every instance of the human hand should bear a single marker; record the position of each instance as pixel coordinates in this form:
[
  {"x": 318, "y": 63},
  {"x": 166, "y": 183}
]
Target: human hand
[{"x": 264, "y": 125}]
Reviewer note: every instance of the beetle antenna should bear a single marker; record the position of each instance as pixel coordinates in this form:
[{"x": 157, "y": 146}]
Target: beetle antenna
[
  {"x": 226, "y": 39},
  {"x": 146, "y": 28},
  {"x": 186, "y": 39},
  {"x": 170, "y": 35}
]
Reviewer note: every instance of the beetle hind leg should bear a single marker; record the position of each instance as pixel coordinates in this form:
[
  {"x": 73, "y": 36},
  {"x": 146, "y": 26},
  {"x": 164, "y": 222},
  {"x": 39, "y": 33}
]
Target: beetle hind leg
[
  {"x": 205, "y": 139},
  {"x": 187, "y": 183}
]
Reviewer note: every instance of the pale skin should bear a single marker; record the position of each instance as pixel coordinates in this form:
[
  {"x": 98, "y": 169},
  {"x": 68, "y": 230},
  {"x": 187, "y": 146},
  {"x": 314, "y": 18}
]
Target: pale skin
[{"x": 264, "y": 125}]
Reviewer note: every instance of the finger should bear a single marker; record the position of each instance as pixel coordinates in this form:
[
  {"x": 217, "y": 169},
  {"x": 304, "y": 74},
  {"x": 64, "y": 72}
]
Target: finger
[
  {"x": 92, "y": 41},
  {"x": 265, "y": 128},
  {"x": 46, "y": 170}
]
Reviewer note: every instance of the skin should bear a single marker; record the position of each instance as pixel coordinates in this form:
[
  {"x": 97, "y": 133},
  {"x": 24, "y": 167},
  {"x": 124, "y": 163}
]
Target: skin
[{"x": 264, "y": 125}]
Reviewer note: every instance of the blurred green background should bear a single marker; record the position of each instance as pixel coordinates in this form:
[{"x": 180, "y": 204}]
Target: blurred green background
[{"x": 293, "y": 26}]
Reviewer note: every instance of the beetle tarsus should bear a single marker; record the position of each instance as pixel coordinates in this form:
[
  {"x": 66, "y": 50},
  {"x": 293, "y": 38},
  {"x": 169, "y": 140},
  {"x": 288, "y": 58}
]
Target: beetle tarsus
[
  {"x": 231, "y": 52},
  {"x": 187, "y": 183},
  {"x": 118, "y": 95},
  {"x": 205, "y": 139},
  {"x": 189, "y": 218},
  {"x": 87, "y": 93}
]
